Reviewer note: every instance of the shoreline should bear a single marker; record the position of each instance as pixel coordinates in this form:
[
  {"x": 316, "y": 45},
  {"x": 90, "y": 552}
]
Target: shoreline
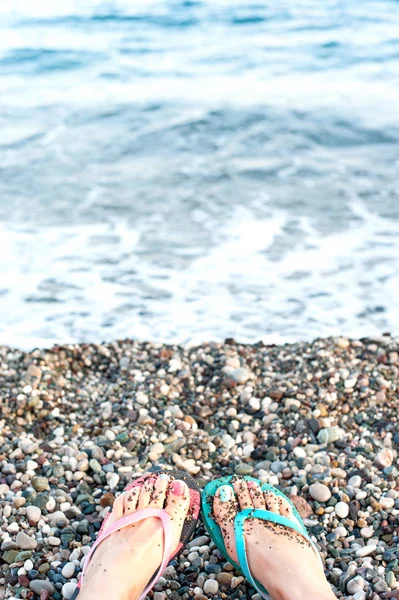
[{"x": 317, "y": 419}]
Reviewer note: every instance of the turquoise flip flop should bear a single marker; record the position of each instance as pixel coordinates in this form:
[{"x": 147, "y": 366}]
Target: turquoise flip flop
[{"x": 296, "y": 524}]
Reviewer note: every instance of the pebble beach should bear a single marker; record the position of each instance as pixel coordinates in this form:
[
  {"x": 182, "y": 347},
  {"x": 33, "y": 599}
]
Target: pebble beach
[{"x": 318, "y": 420}]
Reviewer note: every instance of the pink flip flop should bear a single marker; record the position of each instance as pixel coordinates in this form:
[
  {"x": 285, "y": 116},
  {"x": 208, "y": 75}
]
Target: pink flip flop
[{"x": 187, "y": 531}]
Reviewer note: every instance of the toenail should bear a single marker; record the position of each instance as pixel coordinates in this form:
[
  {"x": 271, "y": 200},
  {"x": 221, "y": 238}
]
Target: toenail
[
  {"x": 163, "y": 476},
  {"x": 251, "y": 484},
  {"x": 225, "y": 493},
  {"x": 178, "y": 488}
]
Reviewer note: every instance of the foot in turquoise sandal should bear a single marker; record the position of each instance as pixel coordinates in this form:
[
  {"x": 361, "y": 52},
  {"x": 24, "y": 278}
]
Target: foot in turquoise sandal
[{"x": 260, "y": 532}]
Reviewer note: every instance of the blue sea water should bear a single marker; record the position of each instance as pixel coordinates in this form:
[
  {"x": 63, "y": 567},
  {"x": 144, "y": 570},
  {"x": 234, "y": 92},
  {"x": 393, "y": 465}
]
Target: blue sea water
[{"x": 191, "y": 170}]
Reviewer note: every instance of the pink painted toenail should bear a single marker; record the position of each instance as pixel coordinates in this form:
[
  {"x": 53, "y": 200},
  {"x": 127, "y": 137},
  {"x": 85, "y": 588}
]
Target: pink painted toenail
[
  {"x": 178, "y": 488},
  {"x": 251, "y": 484}
]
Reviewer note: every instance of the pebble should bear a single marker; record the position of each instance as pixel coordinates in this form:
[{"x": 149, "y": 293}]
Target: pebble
[
  {"x": 157, "y": 448},
  {"x": 384, "y": 458},
  {"x": 70, "y": 445},
  {"x": 37, "y": 585},
  {"x": 367, "y": 532},
  {"x": 68, "y": 590},
  {"x": 224, "y": 579},
  {"x": 95, "y": 465},
  {"x": 211, "y": 587},
  {"x": 228, "y": 442},
  {"x": 236, "y": 581},
  {"x": 355, "y": 585},
  {"x": 239, "y": 375},
  {"x": 28, "y": 565},
  {"x": 366, "y": 550},
  {"x": 355, "y": 481},
  {"x": 300, "y": 452},
  {"x": 202, "y": 540},
  {"x": 68, "y": 570},
  {"x": 25, "y": 542},
  {"x": 40, "y": 484},
  {"x": 330, "y": 435},
  {"x": 244, "y": 469},
  {"x": 303, "y": 507},
  {"x": 54, "y": 541},
  {"x": 342, "y": 510},
  {"x": 320, "y": 492},
  {"x": 113, "y": 480},
  {"x": 57, "y": 517},
  {"x": 386, "y": 502}
]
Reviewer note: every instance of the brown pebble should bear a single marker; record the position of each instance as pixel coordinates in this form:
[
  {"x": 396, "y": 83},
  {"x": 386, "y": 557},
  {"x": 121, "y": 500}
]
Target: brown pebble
[
  {"x": 303, "y": 507},
  {"x": 107, "y": 499}
]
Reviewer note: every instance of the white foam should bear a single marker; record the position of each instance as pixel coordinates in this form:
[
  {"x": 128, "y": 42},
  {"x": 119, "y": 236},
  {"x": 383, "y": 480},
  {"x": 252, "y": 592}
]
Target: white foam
[{"x": 327, "y": 285}]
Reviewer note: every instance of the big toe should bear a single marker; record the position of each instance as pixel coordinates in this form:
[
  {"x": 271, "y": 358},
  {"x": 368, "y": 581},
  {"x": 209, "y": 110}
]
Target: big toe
[
  {"x": 177, "y": 505},
  {"x": 225, "y": 509}
]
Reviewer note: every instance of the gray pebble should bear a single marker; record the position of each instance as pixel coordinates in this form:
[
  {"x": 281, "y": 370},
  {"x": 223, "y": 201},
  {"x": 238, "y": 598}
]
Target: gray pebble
[{"x": 37, "y": 585}]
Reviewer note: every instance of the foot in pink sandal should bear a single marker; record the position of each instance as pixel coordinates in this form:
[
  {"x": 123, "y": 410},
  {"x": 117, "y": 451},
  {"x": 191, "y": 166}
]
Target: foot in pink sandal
[{"x": 149, "y": 524}]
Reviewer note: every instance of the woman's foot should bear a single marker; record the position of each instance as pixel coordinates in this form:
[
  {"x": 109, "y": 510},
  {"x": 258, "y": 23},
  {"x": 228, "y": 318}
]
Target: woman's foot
[
  {"x": 125, "y": 562},
  {"x": 279, "y": 558}
]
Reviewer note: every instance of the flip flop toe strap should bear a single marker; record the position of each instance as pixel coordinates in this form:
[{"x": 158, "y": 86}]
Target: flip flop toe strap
[
  {"x": 265, "y": 515},
  {"x": 140, "y": 515}
]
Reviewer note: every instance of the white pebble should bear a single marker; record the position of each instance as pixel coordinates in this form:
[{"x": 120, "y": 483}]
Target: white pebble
[
  {"x": 51, "y": 504},
  {"x": 54, "y": 541},
  {"x": 113, "y": 480},
  {"x": 367, "y": 532},
  {"x": 254, "y": 403},
  {"x": 320, "y": 492},
  {"x": 75, "y": 554},
  {"x": 68, "y": 590},
  {"x": 300, "y": 452},
  {"x": 366, "y": 551},
  {"x": 228, "y": 442},
  {"x": 68, "y": 570},
  {"x": 355, "y": 585},
  {"x": 386, "y": 502},
  {"x": 342, "y": 510},
  {"x": 355, "y": 481},
  {"x": 211, "y": 587}
]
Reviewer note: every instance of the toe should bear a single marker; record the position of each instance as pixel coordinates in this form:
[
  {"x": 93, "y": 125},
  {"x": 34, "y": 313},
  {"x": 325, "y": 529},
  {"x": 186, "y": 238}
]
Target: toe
[
  {"x": 131, "y": 500},
  {"x": 271, "y": 502},
  {"x": 225, "y": 509},
  {"x": 242, "y": 491},
  {"x": 225, "y": 505},
  {"x": 118, "y": 506},
  {"x": 255, "y": 491},
  {"x": 116, "y": 511},
  {"x": 146, "y": 493},
  {"x": 285, "y": 508},
  {"x": 160, "y": 489},
  {"x": 178, "y": 501}
]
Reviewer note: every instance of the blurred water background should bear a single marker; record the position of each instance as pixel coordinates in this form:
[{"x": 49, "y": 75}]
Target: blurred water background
[{"x": 186, "y": 171}]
